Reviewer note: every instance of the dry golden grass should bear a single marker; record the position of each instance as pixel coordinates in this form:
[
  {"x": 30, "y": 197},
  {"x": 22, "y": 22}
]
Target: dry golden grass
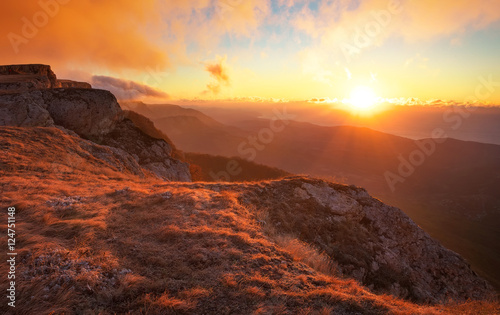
[{"x": 119, "y": 244}]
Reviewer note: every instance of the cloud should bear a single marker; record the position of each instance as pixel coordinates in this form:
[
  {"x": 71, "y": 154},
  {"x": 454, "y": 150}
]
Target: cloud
[
  {"x": 126, "y": 90},
  {"x": 430, "y": 19},
  {"x": 218, "y": 70},
  {"x": 85, "y": 32},
  {"x": 120, "y": 36},
  {"x": 372, "y": 21}
]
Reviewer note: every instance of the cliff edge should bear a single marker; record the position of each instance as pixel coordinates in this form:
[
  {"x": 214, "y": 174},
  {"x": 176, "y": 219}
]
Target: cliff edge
[{"x": 31, "y": 96}]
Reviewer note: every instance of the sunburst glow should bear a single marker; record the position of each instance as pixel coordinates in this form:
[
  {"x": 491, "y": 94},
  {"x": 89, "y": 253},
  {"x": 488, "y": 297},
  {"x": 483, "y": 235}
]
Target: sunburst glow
[{"x": 362, "y": 98}]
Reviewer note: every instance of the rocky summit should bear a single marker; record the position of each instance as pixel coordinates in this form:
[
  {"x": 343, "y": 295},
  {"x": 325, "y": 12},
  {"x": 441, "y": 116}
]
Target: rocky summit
[
  {"x": 32, "y": 96},
  {"x": 33, "y": 77}
]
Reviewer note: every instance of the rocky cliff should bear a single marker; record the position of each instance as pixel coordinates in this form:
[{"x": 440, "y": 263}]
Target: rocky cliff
[
  {"x": 32, "y": 77},
  {"x": 38, "y": 101}
]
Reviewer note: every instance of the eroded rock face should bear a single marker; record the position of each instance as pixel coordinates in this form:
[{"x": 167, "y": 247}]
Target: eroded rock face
[
  {"x": 87, "y": 112},
  {"x": 31, "y": 69},
  {"x": 374, "y": 243},
  {"x": 24, "y": 110},
  {"x": 31, "y": 96},
  {"x": 152, "y": 154}
]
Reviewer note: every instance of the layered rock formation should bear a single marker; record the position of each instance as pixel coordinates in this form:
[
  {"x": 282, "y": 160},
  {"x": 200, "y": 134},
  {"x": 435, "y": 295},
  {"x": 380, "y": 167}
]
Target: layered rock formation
[
  {"x": 37, "y": 101},
  {"x": 32, "y": 77}
]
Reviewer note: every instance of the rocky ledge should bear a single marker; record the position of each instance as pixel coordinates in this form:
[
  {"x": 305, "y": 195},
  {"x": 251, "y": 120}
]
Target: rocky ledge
[
  {"x": 15, "y": 78},
  {"x": 31, "y": 96}
]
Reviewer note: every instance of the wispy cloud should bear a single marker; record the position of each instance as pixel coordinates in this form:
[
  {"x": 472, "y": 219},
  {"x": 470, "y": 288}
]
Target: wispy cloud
[
  {"x": 218, "y": 71},
  {"x": 126, "y": 90}
]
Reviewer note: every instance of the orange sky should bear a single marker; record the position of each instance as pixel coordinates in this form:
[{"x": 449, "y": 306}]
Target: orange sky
[{"x": 286, "y": 49}]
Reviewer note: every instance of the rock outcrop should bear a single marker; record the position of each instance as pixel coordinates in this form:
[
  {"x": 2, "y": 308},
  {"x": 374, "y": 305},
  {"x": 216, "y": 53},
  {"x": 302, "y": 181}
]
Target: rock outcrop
[
  {"x": 32, "y": 97},
  {"x": 24, "y": 110},
  {"x": 28, "y": 77},
  {"x": 67, "y": 84},
  {"x": 87, "y": 112},
  {"x": 149, "y": 152},
  {"x": 374, "y": 243}
]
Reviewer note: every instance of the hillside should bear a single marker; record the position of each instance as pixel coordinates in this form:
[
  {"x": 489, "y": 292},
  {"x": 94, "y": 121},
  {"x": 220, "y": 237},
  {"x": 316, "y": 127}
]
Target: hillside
[
  {"x": 107, "y": 221},
  {"x": 126, "y": 243},
  {"x": 93, "y": 115},
  {"x": 191, "y": 129},
  {"x": 453, "y": 195}
]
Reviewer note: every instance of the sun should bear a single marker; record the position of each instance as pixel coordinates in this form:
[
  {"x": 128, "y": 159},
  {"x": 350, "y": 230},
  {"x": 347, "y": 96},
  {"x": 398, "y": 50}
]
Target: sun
[{"x": 362, "y": 98}]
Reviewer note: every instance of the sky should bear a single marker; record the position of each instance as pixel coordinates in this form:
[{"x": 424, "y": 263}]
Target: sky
[{"x": 264, "y": 50}]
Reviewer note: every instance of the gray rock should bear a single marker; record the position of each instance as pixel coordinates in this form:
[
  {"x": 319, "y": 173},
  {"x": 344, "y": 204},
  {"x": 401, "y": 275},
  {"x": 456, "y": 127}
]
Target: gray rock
[
  {"x": 369, "y": 241},
  {"x": 88, "y": 112},
  {"x": 339, "y": 204},
  {"x": 152, "y": 154},
  {"x": 24, "y": 110}
]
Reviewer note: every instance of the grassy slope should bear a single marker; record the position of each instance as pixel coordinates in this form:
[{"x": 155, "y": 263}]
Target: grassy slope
[{"x": 115, "y": 243}]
